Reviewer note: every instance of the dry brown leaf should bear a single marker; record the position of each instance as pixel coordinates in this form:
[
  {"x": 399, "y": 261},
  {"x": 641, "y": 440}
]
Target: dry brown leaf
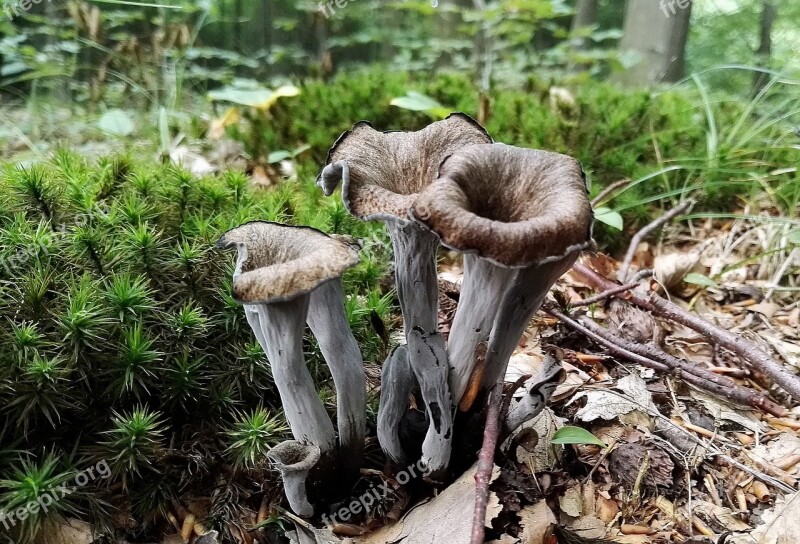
[
  {"x": 781, "y": 524},
  {"x": 545, "y": 455},
  {"x": 670, "y": 269},
  {"x": 604, "y": 404},
  {"x": 721, "y": 410},
  {"x": 445, "y": 518},
  {"x": 536, "y": 520}
]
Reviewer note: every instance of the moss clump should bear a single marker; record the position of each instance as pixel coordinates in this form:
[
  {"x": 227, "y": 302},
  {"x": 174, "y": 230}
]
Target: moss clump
[{"x": 121, "y": 343}]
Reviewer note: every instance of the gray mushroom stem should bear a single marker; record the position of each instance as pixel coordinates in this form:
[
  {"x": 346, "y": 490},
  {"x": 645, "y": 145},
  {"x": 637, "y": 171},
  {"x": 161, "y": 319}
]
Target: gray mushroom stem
[
  {"x": 397, "y": 381},
  {"x": 483, "y": 286},
  {"x": 328, "y": 322},
  {"x": 294, "y": 460},
  {"x": 282, "y": 325},
  {"x": 536, "y": 396},
  {"x": 417, "y": 290},
  {"x": 527, "y": 290}
]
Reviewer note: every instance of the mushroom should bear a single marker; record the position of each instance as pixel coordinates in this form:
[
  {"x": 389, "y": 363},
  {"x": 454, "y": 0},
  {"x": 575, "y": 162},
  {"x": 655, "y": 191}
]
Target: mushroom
[
  {"x": 521, "y": 217},
  {"x": 397, "y": 382},
  {"x": 284, "y": 277},
  {"x": 381, "y": 173},
  {"x": 295, "y": 460}
]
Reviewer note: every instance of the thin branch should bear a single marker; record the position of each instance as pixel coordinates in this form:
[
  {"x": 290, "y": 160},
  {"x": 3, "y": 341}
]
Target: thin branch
[
  {"x": 483, "y": 476},
  {"x": 601, "y": 196},
  {"x": 747, "y": 351},
  {"x": 716, "y": 383},
  {"x": 622, "y": 275},
  {"x": 610, "y": 293}
]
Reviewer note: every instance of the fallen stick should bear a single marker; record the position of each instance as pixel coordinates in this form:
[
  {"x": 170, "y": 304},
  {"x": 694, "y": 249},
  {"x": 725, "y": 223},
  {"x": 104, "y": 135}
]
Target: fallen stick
[
  {"x": 722, "y": 384},
  {"x": 747, "y": 351},
  {"x": 608, "y": 294},
  {"x": 622, "y": 275},
  {"x": 698, "y": 377},
  {"x": 483, "y": 476}
]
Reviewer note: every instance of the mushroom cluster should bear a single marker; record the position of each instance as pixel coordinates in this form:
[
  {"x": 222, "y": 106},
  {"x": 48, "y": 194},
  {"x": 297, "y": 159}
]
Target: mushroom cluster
[{"x": 519, "y": 216}]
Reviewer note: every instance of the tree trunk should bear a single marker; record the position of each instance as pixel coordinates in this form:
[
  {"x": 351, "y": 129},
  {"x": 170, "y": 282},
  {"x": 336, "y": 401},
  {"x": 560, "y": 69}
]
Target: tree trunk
[
  {"x": 657, "y": 32},
  {"x": 769, "y": 12},
  {"x": 585, "y": 16}
]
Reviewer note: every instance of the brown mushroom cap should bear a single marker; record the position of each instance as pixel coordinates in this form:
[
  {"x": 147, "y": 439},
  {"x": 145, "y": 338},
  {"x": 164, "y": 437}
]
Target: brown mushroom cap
[
  {"x": 386, "y": 169},
  {"x": 280, "y": 262},
  {"x": 515, "y": 207}
]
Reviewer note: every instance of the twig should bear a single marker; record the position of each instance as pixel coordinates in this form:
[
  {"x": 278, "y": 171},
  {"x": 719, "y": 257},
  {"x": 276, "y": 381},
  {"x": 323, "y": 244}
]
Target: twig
[
  {"x": 746, "y": 350},
  {"x": 716, "y": 383},
  {"x": 663, "y": 362},
  {"x": 483, "y": 476},
  {"x": 622, "y": 275},
  {"x": 611, "y": 292},
  {"x": 608, "y": 190}
]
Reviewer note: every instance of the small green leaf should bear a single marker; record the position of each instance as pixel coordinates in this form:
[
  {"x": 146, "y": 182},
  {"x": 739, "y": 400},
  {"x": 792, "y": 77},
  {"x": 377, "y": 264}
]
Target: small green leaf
[
  {"x": 415, "y": 101},
  {"x": 116, "y": 122},
  {"x": 278, "y": 156},
  {"x": 794, "y": 237},
  {"x": 609, "y": 217},
  {"x": 576, "y": 435},
  {"x": 699, "y": 279}
]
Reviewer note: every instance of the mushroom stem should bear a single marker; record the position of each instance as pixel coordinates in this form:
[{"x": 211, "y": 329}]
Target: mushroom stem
[
  {"x": 527, "y": 290},
  {"x": 531, "y": 405},
  {"x": 328, "y": 322},
  {"x": 397, "y": 382},
  {"x": 484, "y": 284},
  {"x": 294, "y": 460},
  {"x": 282, "y": 325},
  {"x": 417, "y": 291}
]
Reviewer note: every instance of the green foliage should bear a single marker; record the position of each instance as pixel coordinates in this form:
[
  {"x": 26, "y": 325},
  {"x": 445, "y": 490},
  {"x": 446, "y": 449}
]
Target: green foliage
[{"x": 121, "y": 341}]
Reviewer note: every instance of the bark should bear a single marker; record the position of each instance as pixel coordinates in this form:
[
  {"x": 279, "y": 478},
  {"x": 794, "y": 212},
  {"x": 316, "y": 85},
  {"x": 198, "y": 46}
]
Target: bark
[
  {"x": 585, "y": 16},
  {"x": 657, "y": 32}
]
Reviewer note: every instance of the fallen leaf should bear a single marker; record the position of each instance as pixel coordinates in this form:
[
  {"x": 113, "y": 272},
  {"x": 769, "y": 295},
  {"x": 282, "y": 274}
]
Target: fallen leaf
[
  {"x": 535, "y": 520},
  {"x": 605, "y": 404},
  {"x": 434, "y": 521},
  {"x": 721, "y": 410},
  {"x": 544, "y": 455},
  {"x": 781, "y": 524}
]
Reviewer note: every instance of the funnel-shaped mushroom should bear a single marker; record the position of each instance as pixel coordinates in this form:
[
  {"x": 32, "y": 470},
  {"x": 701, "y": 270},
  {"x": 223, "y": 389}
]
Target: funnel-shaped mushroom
[
  {"x": 381, "y": 173},
  {"x": 295, "y": 460},
  {"x": 286, "y": 276},
  {"x": 521, "y": 217}
]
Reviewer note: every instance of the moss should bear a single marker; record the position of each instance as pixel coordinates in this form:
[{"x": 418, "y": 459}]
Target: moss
[{"x": 122, "y": 341}]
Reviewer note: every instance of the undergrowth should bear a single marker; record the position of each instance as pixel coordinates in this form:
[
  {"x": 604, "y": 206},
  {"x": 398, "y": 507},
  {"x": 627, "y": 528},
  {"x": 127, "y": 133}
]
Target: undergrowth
[{"x": 121, "y": 343}]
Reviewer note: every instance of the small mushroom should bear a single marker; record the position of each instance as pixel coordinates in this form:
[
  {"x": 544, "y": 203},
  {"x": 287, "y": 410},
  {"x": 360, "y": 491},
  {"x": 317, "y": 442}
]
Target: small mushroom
[
  {"x": 521, "y": 217},
  {"x": 281, "y": 272},
  {"x": 295, "y": 460},
  {"x": 381, "y": 174},
  {"x": 397, "y": 383}
]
